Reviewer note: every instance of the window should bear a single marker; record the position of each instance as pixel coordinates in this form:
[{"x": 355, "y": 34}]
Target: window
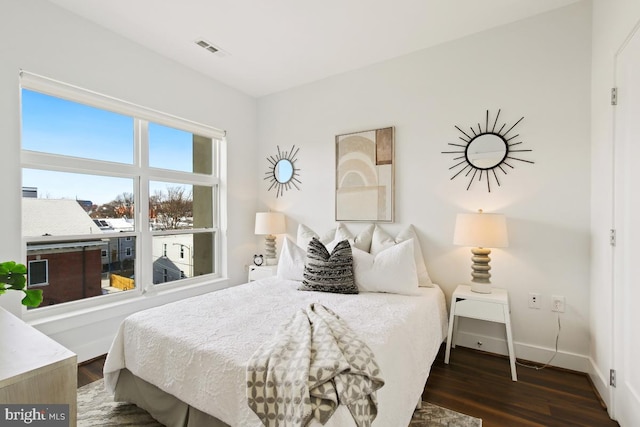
[
  {"x": 38, "y": 273},
  {"x": 106, "y": 186}
]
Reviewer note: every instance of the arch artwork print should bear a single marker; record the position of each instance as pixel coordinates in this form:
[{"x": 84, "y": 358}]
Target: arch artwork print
[
  {"x": 364, "y": 175},
  {"x": 485, "y": 150},
  {"x": 282, "y": 171}
]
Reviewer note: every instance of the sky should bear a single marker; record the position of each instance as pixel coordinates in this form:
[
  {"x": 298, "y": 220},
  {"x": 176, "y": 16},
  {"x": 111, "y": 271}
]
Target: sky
[{"x": 57, "y": 126}]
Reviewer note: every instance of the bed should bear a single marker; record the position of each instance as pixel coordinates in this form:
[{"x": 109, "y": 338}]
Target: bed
[{"x": 185, "y": 362}]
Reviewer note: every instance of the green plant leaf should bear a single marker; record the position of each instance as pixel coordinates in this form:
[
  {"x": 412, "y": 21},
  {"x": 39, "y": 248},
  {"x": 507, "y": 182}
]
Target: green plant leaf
[
  {"x": 19, "y": 269},
  {"x": 17, "y": 282},
  {"x": 7, "y": 267},
  {"x": 13, "y": 275},
  {"x": 32, "y": 298}
]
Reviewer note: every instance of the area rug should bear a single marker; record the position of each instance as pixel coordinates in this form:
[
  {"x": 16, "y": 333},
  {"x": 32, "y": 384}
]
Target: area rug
[{"x": 97, "y": 408}]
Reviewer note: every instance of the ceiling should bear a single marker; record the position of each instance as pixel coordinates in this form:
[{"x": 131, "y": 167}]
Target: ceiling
[{"x": 270, "y": 45}]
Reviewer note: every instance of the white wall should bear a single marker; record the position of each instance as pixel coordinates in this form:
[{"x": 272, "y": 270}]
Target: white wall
[
  {"x": 39, "y": 37},
  {"x": 537, "y": 68},
  {"x": 612, "y": 23}
]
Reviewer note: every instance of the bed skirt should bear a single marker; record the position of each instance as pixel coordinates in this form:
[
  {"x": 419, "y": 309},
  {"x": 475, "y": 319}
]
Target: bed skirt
[{"x": 164, "y": 407}]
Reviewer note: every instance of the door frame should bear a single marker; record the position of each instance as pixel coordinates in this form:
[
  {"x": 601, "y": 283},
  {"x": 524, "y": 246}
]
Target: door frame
[{"x": 618, "y": 400}]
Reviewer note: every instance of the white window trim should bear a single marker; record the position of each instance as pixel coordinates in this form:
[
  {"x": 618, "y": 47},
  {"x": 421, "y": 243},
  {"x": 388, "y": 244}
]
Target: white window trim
[
  {"x": 46, "y": 274},
  {"x": 54, "y": 162},
  {"x": 74, "y": 93}
]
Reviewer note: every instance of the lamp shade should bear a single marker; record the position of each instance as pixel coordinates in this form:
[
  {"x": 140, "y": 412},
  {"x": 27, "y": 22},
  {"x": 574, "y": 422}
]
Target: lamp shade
[
  {"x": 481, "y": 230},
  {"x": 270, "y": 223}
]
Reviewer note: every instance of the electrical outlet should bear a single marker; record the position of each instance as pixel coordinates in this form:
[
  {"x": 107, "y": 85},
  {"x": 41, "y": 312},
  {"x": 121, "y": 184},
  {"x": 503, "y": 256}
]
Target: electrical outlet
[
  {"x": 557, "y": 303},
  {"x": 534, "y": 300}
]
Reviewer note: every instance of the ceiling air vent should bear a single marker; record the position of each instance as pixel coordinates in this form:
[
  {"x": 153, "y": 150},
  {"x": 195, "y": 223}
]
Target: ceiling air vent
[{"x": 206, "y": 45}]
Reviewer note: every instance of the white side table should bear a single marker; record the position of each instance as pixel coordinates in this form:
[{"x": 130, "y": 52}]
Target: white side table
[
  {"x": 261, "y": 272},
  {"x": 493, "y": 307}
]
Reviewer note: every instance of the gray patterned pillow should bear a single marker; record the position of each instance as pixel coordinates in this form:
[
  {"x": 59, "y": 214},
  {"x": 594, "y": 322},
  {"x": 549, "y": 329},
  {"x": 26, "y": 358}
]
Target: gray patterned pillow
[{"x": 324, "y": 272}]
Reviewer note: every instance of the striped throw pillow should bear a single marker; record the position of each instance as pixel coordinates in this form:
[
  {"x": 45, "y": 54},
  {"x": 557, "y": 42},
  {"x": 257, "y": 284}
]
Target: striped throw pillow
[{"x": 329, "y": 272}]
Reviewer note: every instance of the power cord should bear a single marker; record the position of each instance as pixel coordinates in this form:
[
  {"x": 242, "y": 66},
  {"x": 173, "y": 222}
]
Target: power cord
[{"x": 538, "y": 368}]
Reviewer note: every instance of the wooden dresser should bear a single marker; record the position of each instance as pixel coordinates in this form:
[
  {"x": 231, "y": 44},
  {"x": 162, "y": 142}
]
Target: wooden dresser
[{"x": 34, "y": 369}]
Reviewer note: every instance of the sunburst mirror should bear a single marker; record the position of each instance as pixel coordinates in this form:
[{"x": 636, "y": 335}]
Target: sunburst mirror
[
  {"x": 486, "y": 150},
  {"x": 282, "y": 173}
]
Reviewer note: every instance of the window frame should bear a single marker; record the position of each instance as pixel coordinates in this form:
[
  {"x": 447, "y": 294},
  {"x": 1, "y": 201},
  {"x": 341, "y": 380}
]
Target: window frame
[
  {"x": 142, "y": 174},
  {"x": 46, "y": 274}
]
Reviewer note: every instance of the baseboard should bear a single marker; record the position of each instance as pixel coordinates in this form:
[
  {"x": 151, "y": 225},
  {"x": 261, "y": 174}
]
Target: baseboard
[
  {"x": 600, "y": 383},
  {"x": 526, "y": 352}
]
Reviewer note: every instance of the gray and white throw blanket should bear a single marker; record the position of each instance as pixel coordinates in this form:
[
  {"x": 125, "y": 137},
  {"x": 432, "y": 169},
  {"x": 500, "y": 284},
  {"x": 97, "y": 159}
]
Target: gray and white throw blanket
[{"x": 314, "y": 363}]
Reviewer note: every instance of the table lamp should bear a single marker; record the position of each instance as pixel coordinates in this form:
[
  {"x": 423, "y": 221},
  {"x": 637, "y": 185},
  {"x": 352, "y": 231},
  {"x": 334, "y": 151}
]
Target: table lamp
[
  {"x": 269, "y": 224},
  {"x": 481, "y": 231}
]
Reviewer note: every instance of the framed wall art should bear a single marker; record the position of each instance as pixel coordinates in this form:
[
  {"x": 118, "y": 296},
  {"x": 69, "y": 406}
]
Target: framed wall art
[{"x": 365, "y": 176}]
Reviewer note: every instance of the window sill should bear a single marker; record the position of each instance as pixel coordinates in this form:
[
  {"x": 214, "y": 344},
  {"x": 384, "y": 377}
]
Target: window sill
[{"x": 68, "y": 317}]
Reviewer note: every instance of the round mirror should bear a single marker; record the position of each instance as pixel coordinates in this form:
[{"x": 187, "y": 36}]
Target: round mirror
[
  {"x": 486, "y": 151},
  {"x": 283, "y": 171}
]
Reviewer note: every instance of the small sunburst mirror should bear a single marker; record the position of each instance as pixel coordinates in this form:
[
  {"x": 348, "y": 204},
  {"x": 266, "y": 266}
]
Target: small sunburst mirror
[
  {"x": 282, "y": 173},
  {"x": 485, "y": 150}
]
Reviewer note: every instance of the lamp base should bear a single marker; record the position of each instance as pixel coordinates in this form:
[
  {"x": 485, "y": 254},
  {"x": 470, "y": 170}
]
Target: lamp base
[
  {"x": 270, "y": 249},
  {"x": 481, "y": 288},
  {"x": 481, "y": 277}
]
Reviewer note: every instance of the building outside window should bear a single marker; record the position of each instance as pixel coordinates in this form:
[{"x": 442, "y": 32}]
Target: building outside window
[{"x": 109, "y": 188}]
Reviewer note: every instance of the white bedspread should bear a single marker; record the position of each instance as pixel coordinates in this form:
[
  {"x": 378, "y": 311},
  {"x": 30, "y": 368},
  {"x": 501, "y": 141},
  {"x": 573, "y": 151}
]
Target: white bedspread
[{"x": 197, "y": 349}]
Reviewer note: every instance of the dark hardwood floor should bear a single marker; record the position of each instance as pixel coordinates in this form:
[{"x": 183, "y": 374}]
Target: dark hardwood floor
[
  {"x": 479, "y": 384},
  {"x": 90, "y": 371}
]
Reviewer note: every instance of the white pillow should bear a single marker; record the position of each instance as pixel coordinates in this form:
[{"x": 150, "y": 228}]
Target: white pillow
[
  {"x": 305, "y": 234},
  {"x": 392, "y": 270},
  {"x": 291, "y": 262},
  {"x": 361, "y": 241},
  {"x": 382, "y": 240}
]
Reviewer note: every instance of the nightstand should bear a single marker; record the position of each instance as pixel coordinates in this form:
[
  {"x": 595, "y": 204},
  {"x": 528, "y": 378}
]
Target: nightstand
[
  {"x": 263, "y": 271},
  {"x": 493, "y": 307}
]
